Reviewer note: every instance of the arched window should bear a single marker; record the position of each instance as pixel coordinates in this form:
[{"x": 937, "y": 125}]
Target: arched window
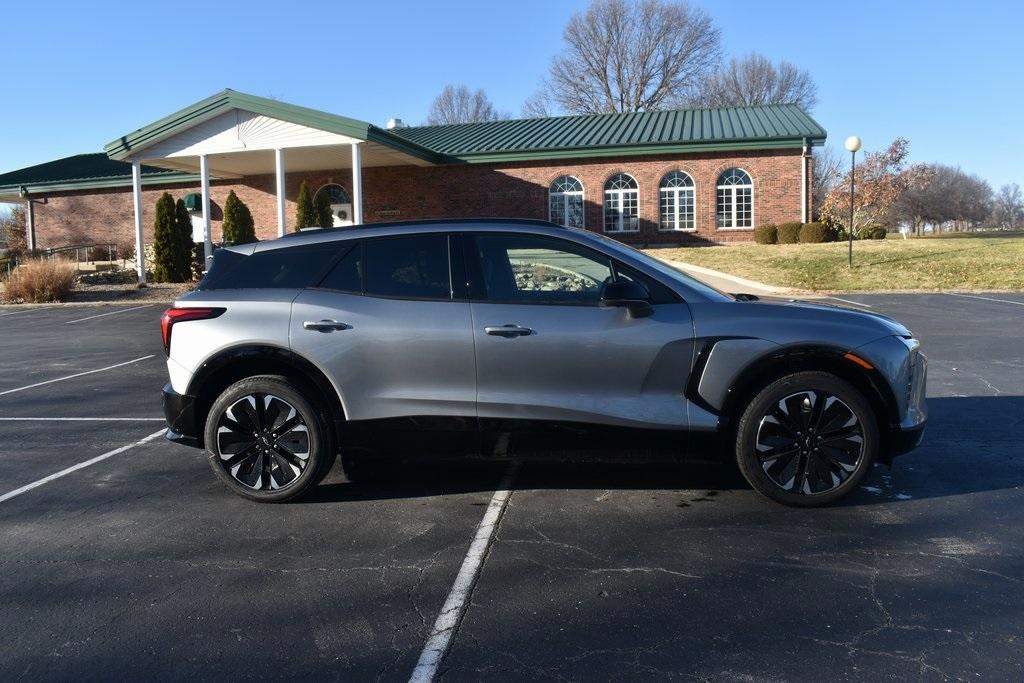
[
  {"x": 340, "y": 201},
  {"x": 621, "y": 204},
  {"x": 565, "y": 202},
  {"x": 735, "y": 204},
  {"x": 676, "y": 199}
]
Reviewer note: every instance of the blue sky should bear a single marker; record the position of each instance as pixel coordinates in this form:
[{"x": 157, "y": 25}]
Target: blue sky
[{"x": 946, "y": 75}]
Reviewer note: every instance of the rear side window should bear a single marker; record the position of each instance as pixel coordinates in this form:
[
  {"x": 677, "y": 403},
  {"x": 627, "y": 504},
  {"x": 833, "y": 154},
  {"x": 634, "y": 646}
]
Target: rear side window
[
  {"x": 289, "y": 268},
  {"x": 411, "y": 266}
]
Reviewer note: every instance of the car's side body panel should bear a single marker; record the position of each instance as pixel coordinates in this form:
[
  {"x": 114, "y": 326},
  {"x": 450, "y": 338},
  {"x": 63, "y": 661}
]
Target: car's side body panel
[
  {"x": 395, "y": 357},
  {"x": 251, "y": 317},
  {"x": 584, "y": 363}
]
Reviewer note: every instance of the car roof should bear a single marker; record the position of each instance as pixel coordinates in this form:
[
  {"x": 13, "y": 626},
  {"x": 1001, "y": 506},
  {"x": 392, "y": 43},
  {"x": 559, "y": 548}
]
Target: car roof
[{"x": 323, "y": 235}]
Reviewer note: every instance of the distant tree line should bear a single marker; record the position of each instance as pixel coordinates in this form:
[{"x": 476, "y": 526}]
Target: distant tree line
[{"x": 892, "y": 193}]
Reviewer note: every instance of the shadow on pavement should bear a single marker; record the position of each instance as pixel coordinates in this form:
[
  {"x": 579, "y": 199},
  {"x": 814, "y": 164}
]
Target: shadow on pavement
[{"x": 973, "y": 444}]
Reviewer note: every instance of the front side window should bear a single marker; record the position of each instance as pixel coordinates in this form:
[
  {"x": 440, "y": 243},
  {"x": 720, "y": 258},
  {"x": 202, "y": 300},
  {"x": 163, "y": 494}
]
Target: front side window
[
  {"x": 411, "y": 266},
  {"x": 735, "y": 200},
  {"x": 676, "y": 201},
  {"x": 531, "y": 269},
  {"x": 621, "y": 204},
  {"x": 565, "y": 202}
]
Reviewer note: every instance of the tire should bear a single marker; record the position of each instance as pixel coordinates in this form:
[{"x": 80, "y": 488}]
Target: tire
[
  {"x": 807, "y": 439},
  {"x": 273, "y": 454}
]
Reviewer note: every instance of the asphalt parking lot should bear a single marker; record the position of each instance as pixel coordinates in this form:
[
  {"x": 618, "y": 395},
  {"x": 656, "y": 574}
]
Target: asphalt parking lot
[{"x": 141, "y": 565}]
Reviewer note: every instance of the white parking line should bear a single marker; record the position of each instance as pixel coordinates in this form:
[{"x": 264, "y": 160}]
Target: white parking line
[
  {"x": 81, "y": 419},
  {"x": 24, "y": 310},
  {"x": 986, "y": 298},
  {"x": 101, "y": 315},
  {"x": 855, "y": 303},
  {"x": 458, "y": 599},
  {"x": 74, "y": 468},
  {"x": 78, "y": 374}
]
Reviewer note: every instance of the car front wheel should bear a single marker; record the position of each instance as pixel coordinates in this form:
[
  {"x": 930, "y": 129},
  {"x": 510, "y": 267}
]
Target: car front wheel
[
  {"x": 807, "y": 439},
  {"x": 266, "y": 441}
]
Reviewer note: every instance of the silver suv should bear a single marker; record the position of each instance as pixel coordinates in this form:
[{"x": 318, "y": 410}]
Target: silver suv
[{"x": 288, "y": 346}]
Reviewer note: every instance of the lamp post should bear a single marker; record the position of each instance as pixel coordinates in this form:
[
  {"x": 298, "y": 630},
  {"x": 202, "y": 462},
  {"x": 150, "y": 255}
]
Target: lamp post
[{"x": 852, "y": 144}]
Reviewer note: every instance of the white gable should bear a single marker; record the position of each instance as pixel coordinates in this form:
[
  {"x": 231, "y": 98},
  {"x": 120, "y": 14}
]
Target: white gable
[{"x": 241, "y": 131}]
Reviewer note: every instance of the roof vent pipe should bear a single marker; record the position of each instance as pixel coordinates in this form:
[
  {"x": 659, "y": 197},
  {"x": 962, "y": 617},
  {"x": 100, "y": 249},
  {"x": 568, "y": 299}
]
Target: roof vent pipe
[{"x": 396, "y": 123}]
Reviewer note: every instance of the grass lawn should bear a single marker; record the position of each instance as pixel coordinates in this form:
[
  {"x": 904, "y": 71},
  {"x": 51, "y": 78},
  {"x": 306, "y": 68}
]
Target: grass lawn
[{"x": 978, "y": 262}]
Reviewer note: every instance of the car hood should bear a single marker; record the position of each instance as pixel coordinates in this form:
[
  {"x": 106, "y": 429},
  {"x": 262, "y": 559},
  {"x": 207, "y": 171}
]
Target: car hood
[{"x": 883, "y": 323}]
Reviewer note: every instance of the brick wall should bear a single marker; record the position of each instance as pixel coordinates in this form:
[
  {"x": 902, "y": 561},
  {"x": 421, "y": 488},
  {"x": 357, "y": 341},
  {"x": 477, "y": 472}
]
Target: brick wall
[{"x": 410, "y": 192}]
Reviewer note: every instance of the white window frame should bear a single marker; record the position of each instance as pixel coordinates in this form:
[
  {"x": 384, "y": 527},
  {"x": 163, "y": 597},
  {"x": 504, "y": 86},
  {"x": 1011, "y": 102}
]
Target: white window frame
[
  {"x": 618, "y": 196},
  {"x": 675, "y": 191},
  {"x": 565, "y": 198},
  {"x": 731, "y": 189}
]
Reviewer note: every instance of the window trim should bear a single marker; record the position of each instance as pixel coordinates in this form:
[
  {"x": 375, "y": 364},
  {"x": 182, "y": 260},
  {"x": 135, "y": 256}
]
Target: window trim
[
  {"x": 691, "y": 188},
  {"x": 732, "y": 193},
  {"x": 619, "y": 199},
  {"x": 564, "y": 196}
]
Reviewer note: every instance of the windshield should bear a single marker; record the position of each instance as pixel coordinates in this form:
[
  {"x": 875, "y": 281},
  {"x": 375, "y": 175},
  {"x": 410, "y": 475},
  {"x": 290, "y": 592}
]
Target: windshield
[{"x": 665, "y": 269}]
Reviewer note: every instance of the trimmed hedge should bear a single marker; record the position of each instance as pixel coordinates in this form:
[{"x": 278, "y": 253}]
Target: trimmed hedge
[
  {"x": 789, "y": 233},
  {"x": 766, "y": 234},
  {"x": 872, "y": 232},
  {"x": 815, "y": 233}
]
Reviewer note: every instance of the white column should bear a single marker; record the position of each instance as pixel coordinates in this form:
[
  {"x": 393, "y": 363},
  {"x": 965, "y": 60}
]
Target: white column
[
  {"x": 204, "y": 184},
  {"x": 279, "y": 165},
  {"x": 357, "y": 183},
  {"x": 30, "y": 225},
  {"x": 140, "y": 248},
  {"x": 804, "y": 156}
]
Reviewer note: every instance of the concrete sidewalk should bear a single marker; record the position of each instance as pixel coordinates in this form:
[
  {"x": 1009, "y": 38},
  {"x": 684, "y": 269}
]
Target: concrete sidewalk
[{"x": 730, "y": 283}]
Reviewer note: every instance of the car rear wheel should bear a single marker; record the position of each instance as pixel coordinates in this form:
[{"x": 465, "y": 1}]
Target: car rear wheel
[
  {"x": 807, "y": 439},
  {"x": 266, "y": 441}
]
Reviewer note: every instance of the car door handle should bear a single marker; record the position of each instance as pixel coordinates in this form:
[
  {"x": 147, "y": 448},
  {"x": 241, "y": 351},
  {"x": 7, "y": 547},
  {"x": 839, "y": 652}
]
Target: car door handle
[
  {"x": 325, "y": 325},
  {"x": 507, "y": 331}
]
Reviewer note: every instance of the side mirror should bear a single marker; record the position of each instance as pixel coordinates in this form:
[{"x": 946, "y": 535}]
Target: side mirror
[{"x": 627, "y": 294}]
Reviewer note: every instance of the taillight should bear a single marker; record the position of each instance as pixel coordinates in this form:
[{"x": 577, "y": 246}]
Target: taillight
[{"x": 180, "y": 315}]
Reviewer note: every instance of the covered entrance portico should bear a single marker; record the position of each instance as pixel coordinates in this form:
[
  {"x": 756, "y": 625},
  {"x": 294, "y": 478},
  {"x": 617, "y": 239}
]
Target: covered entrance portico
[{"x": 233, "y": 136}]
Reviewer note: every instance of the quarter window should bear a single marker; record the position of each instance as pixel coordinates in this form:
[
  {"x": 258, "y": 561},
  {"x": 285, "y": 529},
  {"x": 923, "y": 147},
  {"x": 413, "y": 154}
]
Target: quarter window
[
  {"x": 565, "y": 202},
  {"x": 735, "y": 200},
  {"x": 413, "y": 266},
  {"x": 676, "y": 201},
  {"x": 621, "y": 204}
]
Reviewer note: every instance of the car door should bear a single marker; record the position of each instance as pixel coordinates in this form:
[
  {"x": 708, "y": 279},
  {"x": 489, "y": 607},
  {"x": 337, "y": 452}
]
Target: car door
[
  {"x": 547, "y": 349},
  {"x": 386, "y": 328}
]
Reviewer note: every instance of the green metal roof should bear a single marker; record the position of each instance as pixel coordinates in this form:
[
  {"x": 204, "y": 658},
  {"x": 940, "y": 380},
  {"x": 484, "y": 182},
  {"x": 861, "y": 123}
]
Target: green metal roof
[
  {"x": 562, "y": 137},
  {"x": 226, "y": 100},
  {"x": 782, "y": 125},
  {"x": 83, "y": 170}
]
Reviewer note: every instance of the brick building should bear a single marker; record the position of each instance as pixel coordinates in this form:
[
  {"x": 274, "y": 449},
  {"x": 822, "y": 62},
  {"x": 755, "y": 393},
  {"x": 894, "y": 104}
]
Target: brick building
[{"x": 670, "y": 177}]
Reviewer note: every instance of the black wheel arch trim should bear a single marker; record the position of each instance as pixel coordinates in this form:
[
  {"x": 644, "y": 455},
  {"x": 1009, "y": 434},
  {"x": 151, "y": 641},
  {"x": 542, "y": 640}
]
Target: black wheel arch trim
[
  {"x": 237, "y": 362},
  {"x": 762, "y": 369}
]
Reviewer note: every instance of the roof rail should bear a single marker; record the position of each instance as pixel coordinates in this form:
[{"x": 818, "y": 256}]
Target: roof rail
[{"x": 425, "y": 221}]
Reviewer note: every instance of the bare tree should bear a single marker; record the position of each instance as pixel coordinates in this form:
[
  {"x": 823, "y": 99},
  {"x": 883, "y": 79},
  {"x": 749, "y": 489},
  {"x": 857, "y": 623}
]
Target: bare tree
[
  {"x": 754, "y": 79},
  {"x": 826, "y": 175},
  {"x": 538, "y": 105},
  {"x": 1008, "y": 207},
  {"x": 946, "y": 196},
  {"x": 458, "y": 104},
  {"x": 631, "y": 55}
]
